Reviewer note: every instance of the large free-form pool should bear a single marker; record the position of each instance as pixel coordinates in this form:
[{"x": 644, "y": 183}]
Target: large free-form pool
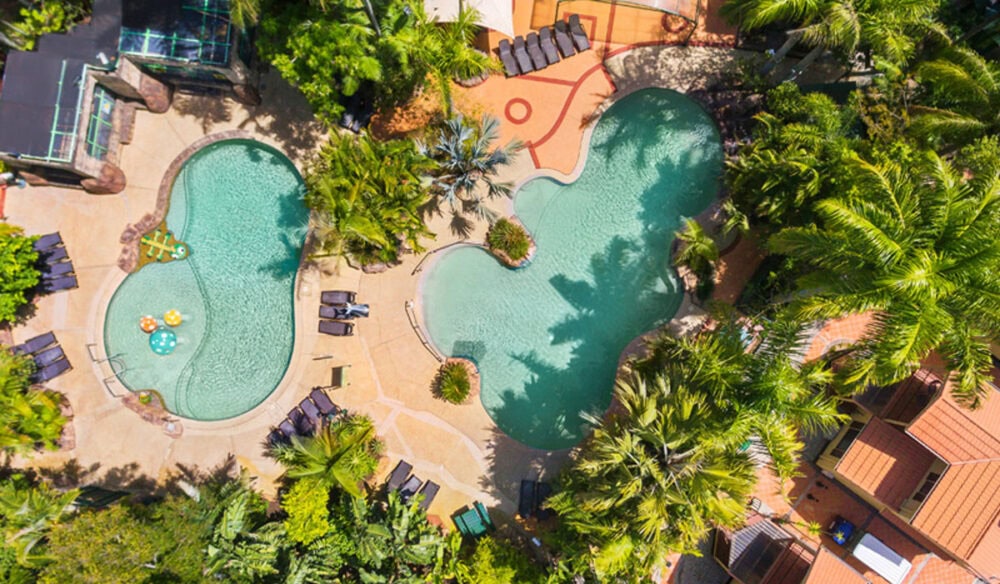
[
  {"x": 547, "y": 338},
  {"x": 238, "y": 206}
]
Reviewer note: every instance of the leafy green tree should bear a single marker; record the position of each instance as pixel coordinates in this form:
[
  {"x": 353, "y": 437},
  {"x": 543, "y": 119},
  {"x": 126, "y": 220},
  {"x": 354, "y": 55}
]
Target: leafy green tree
[
  {"x": 890, "y": 29},
  {"x": 468, "y": 164},
  {"x": 101, "y": 547},
  {"x": 244, "y": 546},
  {"x": 450, "y": 54},
  {"x": 38, "y": 18},
  {"x": 18, "y": 273},
  {"x": 367, "y": 196},
  {"x": 698, "y": 252},
  {"x": 305, "y": 503},
  {"x": 244, "y": 13},
  {"x": 919, "y": 247},
  {"x": 962, "y": 101},
  {"x": 28, "y": 513},
  {"x": 29, "y": 417},
  {"x": 653, "y": 479},
  {"x": 494, "y": 561},
  {"x": 341, "y": 454}
]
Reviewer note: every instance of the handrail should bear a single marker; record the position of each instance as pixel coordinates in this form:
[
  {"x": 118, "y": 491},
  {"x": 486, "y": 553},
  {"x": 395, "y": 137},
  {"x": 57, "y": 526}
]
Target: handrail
[
  {"x": 412, "y": 317},
  {"x": 420, "y": 264}
]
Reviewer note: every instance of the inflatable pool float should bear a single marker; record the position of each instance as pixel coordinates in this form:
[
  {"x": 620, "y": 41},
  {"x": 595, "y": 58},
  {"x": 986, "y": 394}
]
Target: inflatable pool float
[
  {"x": 148, "y": 324},
  {"x": 172, "y": 317},
  {"x": 163, "y": 341}
]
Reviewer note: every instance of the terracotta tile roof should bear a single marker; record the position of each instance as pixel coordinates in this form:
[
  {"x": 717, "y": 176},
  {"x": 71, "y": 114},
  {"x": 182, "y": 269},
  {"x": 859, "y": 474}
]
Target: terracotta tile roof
[
  {"x": 939, "y": 571},
  {"x": 885, "y": 462},
  {"x": 951, "y": 432},
  {"x": 830, "y": 569},
  {"x": 962, "y": 507}
]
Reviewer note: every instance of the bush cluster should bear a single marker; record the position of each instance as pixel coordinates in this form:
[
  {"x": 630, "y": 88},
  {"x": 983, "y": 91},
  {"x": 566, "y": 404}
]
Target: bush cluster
[{"x": 510, "y": 238}]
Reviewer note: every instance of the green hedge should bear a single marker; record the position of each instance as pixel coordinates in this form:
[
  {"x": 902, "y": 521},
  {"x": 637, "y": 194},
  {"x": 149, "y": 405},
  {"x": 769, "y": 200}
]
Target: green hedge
[{"x": 509, "y": 238}]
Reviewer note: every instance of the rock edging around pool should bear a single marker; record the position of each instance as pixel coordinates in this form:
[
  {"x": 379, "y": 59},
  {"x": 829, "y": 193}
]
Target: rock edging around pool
[{"x": 502, "y": 256}]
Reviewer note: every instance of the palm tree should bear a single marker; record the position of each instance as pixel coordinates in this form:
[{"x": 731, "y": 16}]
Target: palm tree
[
  {"x": 762, "y": 393},
  {"x": 963, "y": 98},
  {"x": 28, "y": 512},
  {"x": 468, "y": 163},
  {"x": 653, "y": 479},
  {"x": 244, "y": 13},
  {"x": 340, "y": 454},
  {"x": 698, "y": 251},
  {"x": 919, "y": 247},
  {"x": 366, "y": 197},
  {"x": 450, "y": 54}
]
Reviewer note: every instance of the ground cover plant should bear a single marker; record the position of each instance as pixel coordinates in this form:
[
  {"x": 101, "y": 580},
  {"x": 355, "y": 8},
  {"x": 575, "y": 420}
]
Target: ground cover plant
[{"x": 510, "y": 238}]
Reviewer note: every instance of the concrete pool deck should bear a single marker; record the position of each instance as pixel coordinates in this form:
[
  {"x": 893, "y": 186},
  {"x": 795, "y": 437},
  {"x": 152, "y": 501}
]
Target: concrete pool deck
[{"x": 390, "y": 370}]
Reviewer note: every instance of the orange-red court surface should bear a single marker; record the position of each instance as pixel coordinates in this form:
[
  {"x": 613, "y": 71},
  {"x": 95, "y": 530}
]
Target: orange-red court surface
[{"x": 550, "y": 109}]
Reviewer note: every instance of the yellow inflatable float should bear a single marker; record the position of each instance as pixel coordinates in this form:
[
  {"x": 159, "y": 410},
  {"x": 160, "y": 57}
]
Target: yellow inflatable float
[{"x": 172, "y": 317}]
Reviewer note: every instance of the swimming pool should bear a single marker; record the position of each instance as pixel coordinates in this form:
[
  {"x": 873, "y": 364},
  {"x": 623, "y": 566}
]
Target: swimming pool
[
  {"x": 238, "y": 206},
  {"x": 547, "y": 337}
]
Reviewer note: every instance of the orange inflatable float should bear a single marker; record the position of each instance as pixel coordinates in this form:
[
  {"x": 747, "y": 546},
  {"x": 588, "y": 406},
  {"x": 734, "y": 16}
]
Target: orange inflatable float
[{"x": 148, "y": 324}]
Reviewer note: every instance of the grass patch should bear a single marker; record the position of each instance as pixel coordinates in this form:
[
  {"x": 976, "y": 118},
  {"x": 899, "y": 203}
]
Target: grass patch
[
  {"x": 510, "y": 238},
  {"x": 453, "y": 382}
]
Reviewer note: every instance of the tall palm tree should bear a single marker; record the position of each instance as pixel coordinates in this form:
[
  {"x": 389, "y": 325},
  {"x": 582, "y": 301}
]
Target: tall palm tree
[
  {"x": 450, "y": 54},
  {"x": 341, "y": 454},
  {"x": 921, "y": 249},
  {"x": 468, "y": 163},
  {"x": 653, "y": 479},
  {"x": 963, "y": 101}
]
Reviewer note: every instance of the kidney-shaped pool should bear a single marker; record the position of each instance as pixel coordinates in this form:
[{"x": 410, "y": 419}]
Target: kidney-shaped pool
[
  {"x": 547, "y": 337},
  {"x": 237, "y": 206}
]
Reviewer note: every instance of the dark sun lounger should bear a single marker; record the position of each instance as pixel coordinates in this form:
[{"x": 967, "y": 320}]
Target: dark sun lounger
[
  {"x": 521, "y": 54},
  {"x": 47, "y": 241},
  {"x": 34, "y": 344},
  {"x": 52, "y": 271},
  {"x": 335, "y": 328},
  {"x": 563, "y": 40},
  {"x": 526, "y": 502},
  {"x": 429, "y": 491},
  {"x": 535, "y": 52},
  {"x": 53, "y": 255},
  {"x": 398, "y": 475},
  {"x": 59, "y": 284},
  {"x": 51, "y": 372},
  {"x": 507, "y": 58},
  {"x": 548, "y": 47},
  {"x": 311, "y": 412},
  {"x": 409, "y": 488},
  {"x": 580, "y": 38},
  {"x": 49, "y": 356},
  {"x": 322, "y": 401},
  {"x": 337, "y": 297}
]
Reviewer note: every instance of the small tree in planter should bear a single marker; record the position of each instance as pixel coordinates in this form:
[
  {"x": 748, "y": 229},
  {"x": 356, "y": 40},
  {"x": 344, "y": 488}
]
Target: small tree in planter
[
  {"x": 698, "y": 253},
  {"x": 510, "y": 239},
  {"x": 453, "y": 383}
]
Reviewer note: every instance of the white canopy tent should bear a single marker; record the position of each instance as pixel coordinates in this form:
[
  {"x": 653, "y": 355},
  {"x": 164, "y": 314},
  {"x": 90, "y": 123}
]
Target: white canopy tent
[{"x": 494, "y": 14}]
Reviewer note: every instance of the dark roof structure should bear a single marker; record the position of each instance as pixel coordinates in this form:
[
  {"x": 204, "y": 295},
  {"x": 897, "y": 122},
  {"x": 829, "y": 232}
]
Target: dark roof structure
[
  {"x": 40, "y": 102},
  {"x": 188, "y": 31}
]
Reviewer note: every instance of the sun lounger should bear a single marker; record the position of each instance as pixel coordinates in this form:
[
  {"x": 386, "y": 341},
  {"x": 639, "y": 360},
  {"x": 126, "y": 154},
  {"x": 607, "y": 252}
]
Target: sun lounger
[
  {"x": 59, "y": 284},
  {"x": 521, "y": 54},
  {"x": 337, "y": 297},
  {"x": 287, "y": 428},
  {"x": 473, "y": 522},
  {"x": 34, "y": 344},
  {"x": 542, "y": 492},
  {"x": 52, "y": 371},
  {"x": 563, "y": 39},
  {"x": 535, "y": 52},
  {"x": 323, "y": 402},
  {"x": 548, "y": 47},
  {"x": 429, "y": 491},
  {"x": 526, "y": 502},
  {"x": 409, "y": 488},
  {"x": 580, "y": 38},
  {"x": 300, "y": 423},
  {"x": 53, "y": 255},
  {"x": 47, "y": 241},
  {"x": 311, "y": 412},
  {"x": 49, "y": 356},
  {"x": 276, "y": 437},
  {"x": 398, "y": 475},
  {"x": 52, "y": 271},
  {"x": 507, "y": 58},
  {"x": 336, "y": 328}
]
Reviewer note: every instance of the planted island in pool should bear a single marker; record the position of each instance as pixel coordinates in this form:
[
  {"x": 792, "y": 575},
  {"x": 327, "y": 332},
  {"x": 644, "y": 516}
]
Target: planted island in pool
[
  {"x": 547, "y": 338},
  {"x": 237, "y": 206}
]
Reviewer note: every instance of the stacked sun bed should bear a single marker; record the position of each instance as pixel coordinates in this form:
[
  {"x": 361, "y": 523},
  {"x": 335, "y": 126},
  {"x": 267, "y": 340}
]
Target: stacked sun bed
[
  {"x": 538, "y": 50},
  {"x": 50, "y": 360},
  {"x": 304, "y": 419},
  {"x": 338, "y": 305},
  {"x": 473, "y": 522},
  {"x": 408, "y": 485},
  {"x": 54, "y": 264},
  {"x": 533, "y": 496}
]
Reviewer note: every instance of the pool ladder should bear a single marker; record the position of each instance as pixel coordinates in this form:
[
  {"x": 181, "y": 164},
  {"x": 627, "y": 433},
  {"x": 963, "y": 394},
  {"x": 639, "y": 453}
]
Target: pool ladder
[{"x": 116, "y": 364}]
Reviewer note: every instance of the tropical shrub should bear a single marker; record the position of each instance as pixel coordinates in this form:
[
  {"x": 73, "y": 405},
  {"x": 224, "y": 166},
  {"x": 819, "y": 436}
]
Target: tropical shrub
[
  {"x": 698, "y": 253},
  {"x": 18, "y": 273},
  {"x": 510, "y": 238},
  {"x": 495, "y": 561},
  {"x": 468, "y": 163},
  {"x": 40, "y": 18},
  {"x": 27, "y": 514},
  {"x": 920, "y": 247},
  {"x": 341, "y": 454},
  {"x": 305, "y": 503},
  {"x": 29, "y": 417},
  {"x": 366, "y": 197},
  {"x": 452, "y": 383}
]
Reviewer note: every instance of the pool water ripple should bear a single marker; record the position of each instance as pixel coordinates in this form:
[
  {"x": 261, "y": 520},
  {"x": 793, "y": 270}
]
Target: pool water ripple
[{"x": 547, "y": 337}]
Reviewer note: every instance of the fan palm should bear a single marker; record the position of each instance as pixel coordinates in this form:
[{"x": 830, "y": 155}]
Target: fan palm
[
  {"x": 468, "y": 163},
  {"x": 340, "y": 455},
  {"x": 919, "y": 249},
  {"x": 651, "y": 480},
  {"x": 963, "y": 98}
]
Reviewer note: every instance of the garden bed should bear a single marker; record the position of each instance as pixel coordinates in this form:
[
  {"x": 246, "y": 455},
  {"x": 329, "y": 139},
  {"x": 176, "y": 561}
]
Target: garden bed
[{"x": 504, "y": 234}]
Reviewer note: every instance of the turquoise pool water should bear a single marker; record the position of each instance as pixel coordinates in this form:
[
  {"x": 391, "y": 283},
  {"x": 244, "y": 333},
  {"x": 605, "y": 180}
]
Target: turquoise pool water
[
  {"x": 547, "y": 337},
  {"x": 238, "y": 206}
]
